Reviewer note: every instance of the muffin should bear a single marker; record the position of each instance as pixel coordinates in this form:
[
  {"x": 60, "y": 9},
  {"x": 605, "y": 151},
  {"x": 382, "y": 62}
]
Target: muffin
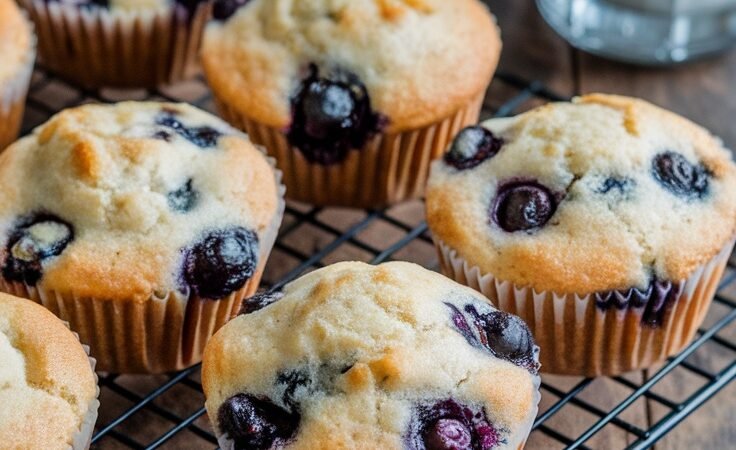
[
  {"x": 49, "y": 389},
  {"x": 143, "y": 225},
  {"x": 18, "y": 50},
  {"x": 358, "y": 356},
  {"x": 353, "y": 98},
  {"x": 120, "y": 43},
  {"x": 605, "y": 224}
]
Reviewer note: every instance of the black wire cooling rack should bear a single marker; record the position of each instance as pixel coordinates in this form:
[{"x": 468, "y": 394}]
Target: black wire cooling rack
[{"x": 632, "y": 411}]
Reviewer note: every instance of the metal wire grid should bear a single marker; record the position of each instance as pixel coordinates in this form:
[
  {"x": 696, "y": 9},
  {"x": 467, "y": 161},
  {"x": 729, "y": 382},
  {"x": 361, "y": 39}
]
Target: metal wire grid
[{"x": 156, "y": 411}]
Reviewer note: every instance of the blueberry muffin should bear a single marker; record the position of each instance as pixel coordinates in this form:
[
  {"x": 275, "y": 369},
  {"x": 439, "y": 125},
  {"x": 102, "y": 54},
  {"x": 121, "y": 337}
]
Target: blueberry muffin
[
  {"x": 354, "y": 98},
  {"x": 18, "y": 50},
  {"x": 605, "y": 223},
  {"x": 143, "y": 225},
  {"x": 120, "y": 43},
  {"x": 49, "y": 390},
  {"x": 359, "y": 356}
]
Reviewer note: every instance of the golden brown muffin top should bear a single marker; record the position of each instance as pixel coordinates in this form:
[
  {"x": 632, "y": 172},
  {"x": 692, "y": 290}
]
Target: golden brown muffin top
[
  {"x": 361, "y": 356},
  {"x": 420, "y": 60},
  {"x": 638, "y": 194},
  {"x": 133, "y": 200},
  {"x": 47, "y": 386}
]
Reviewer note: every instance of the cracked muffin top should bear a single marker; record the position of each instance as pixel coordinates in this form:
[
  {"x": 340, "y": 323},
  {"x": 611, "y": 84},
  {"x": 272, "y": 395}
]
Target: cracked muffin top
[
  {"x": 360, "y": 356},
  {"x": 47, "y": 386},
  {"x": 16, "y": 42},
  {"x": 408, "y": 62},
  {"x": 604, "y": 193},
  {"x": 136, "y": 199}
]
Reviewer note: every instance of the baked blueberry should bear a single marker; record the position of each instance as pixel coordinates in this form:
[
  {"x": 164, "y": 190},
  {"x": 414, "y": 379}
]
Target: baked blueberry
[
  {"x": 33, "y": 241},
  {"x": 449, "y": 425},
  {"x": 616, "y": 184},
  {"x": 183, "y": 199},
  {"x": 680, "y": 176},
  {"x": 221, "y": 262},
  {"x": 655, "y": 300},
  {"x": 331, "y": 115},
  {"x": 260, "y": 301},
  {"x": 472, "y": 146},
  {"x": 204, "y": 137},
  {"x": 289, "y": 383},
  {"x": 255, "y": 423},
  {"x": 506, "y": 336},
  {"x": 523, "y": 206},
  {"x": 223, "y": 9}
]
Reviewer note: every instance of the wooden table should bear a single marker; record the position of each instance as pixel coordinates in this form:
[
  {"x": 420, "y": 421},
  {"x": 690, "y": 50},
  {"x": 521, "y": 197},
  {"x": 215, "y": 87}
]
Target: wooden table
[{"x": 702, "y": 91}]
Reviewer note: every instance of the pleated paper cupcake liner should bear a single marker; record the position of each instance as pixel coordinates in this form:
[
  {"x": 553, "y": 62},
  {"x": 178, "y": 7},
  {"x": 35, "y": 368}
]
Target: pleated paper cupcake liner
[
  {"x": 390, "y": 168},
  {"x": 164, "y": 333},
  {"x": 13, "y": 98},
  {"x": 580, "y": 336},
  {"x": 96, "y": 47},
  {"x": 83, "y": 437}
]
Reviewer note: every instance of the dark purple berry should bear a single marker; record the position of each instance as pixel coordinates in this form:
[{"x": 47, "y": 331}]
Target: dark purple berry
[
  {"x": 183, "y": 199},
  {"x": 34, "y": 240},
  {"x": 679, "y": 176},
  {"x": 449, "y": 425},
  {"x": 222, "y": 262},
  {"x": 224, "y": 9},
  {"x": 290, "y": 382},
  {"x": 472, "y": 146},
  {"x": 503, "y": 335},
  {"x": 331, "y": 116},
  {"x": 656, "y": 299},
  {"x": 620, "y": 185},
  {"x": 203, "y": 137},
  {"x": 260, "y": 301},
  {"x": 523, "y": 206},
  {"x": 448, "y": 434},
  {"x": 255, "y": 423}
]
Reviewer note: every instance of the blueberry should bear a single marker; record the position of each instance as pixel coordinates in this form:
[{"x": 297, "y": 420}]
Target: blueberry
[
  {"x": 331, "y": 116},
  {"x": 523, "y": 206},
  {"x": 448, "y": 434},
  {"x": 204, "y": 137},
  {"x": 85, "y": 3},
  {"x": 256, "y": 423},
  {"x": 621, "y": 185},
  {"x": 503, "y": 335},
  {"x": 222, "y": 262},
  {"x": 260, "y": 301},
  {"x": 679, "y": 176},
  {"x": 450, "y": 425},
  {"x": 472, "y": 146},
  {"x": 290, "y": 382},
  {"x": 656, "y": 299},
  {"x": 223, "y": 9},
  {"x": 34, "y": 240},
  {"x": 183, "y": 199}
]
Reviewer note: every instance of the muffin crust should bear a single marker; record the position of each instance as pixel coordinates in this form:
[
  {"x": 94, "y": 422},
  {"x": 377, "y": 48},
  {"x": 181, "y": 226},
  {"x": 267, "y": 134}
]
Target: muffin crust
[
  {"x": 420, "y": 60},
  {"x": 110, "y": 171},
  {"x": 595, "y": 241},
  {"x": 387, "y": 334},
  {"x": 48, "y": 386}
]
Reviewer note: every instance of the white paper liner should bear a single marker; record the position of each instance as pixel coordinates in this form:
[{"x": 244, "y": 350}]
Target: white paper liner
[
  {"x": 98, "y": 47},
  {"x": 157, "y": 335},
  {"x": 391, "y": 168},
  {"x": 577, "y": 337},
  {"x": 13, "y": 97},
  {"x": 82, "y": 438}
]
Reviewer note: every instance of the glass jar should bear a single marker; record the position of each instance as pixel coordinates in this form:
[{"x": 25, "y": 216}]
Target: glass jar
[{"x": 649, "y": 32}]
